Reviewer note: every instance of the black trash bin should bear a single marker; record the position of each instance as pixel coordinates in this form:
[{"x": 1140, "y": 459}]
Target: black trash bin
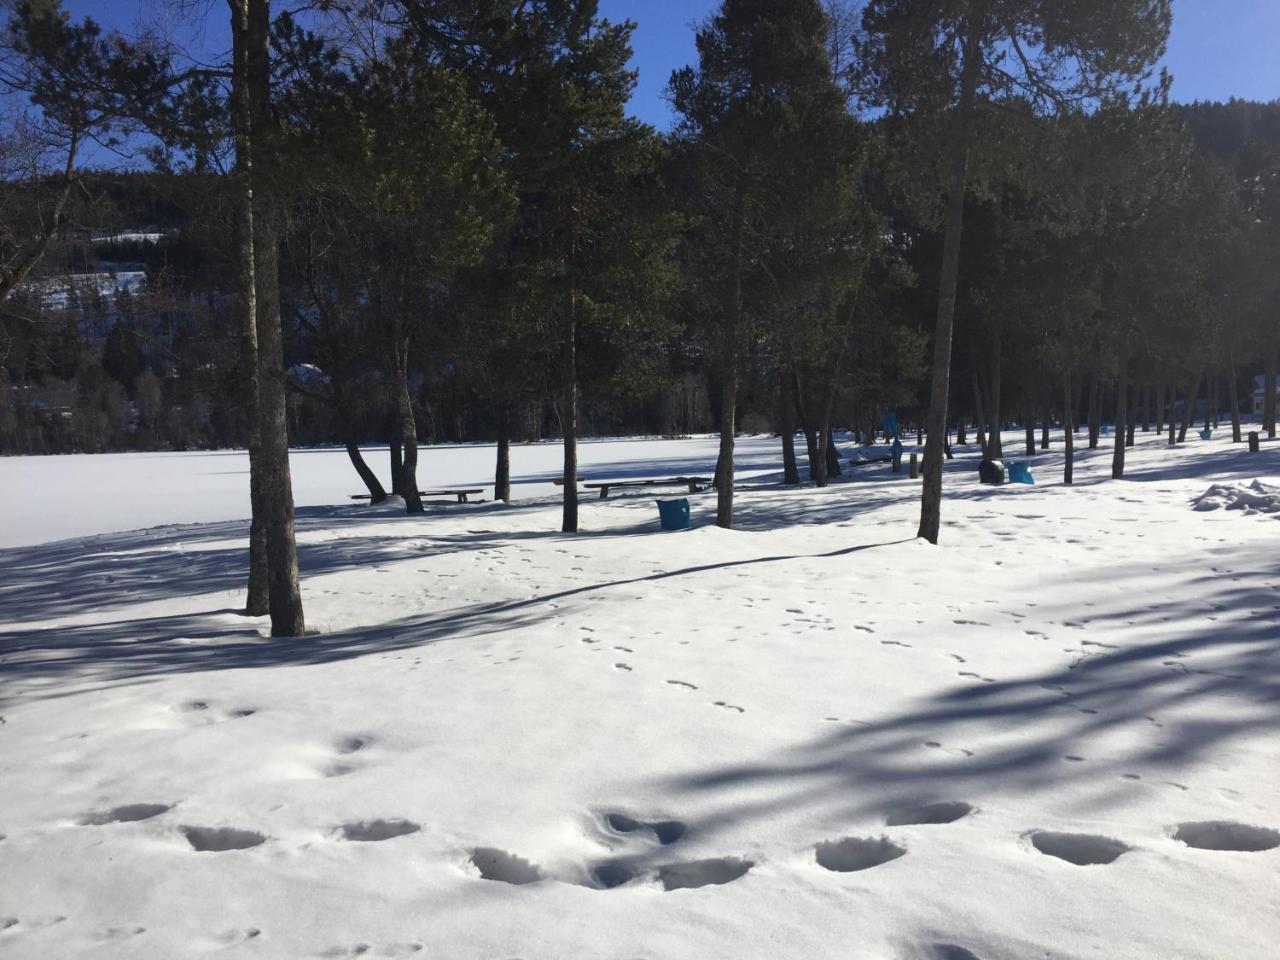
[
  {"x": 992, "y": 472},
  {"x": 1253, "y": 441}
]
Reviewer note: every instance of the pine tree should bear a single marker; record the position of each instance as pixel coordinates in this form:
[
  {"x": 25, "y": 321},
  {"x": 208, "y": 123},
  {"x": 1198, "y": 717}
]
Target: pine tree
[
  {"x": 953, "y": 55},
  {"x": 762, "y": 125}
]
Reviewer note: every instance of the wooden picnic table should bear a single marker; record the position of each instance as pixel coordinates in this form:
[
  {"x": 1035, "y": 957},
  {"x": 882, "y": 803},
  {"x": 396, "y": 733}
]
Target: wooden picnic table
[
  {"x": 460, "y": 493},
  {"x": 693, "y": 484}
]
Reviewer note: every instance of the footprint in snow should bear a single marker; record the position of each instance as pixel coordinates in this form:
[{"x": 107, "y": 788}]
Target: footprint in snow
[
  {"x": 375, "y": 831},
  {"x": 1227, "y": 835},
  {"x": 947, "y": 951},
  {"x": 666, "y": 832},
  {"x": 682, "y": 683},
  {"x": 954, "y": 751},
  {"x": 894, "y": 643},
  {"x": 355, "y": 950},
  {"x": 853, "y": 854},
  {"x": 221, "y": 839},
  {"x": 129, "y": 813},
  {"x": 495, "y": 864},
  {"x": 622, "y": 666},
  {"x": 1081, "y": 849},
  {"x": 114, "y": 934},
  {"x": 948, "y": 811},
  {"x": 728, "y": 706},
  {"x": 345, "y": 747},
  {"x": 401, "y": 949},
  {"x": 703, "y": 873},
  {"x": 229, "y": 938}
]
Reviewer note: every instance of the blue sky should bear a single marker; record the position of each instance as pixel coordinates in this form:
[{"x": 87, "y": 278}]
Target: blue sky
[{"x": 1219, "y": 48}]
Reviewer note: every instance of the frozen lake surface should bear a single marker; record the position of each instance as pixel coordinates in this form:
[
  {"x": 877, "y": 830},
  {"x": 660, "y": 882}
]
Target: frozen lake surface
[{"x": 51, "y": 498}]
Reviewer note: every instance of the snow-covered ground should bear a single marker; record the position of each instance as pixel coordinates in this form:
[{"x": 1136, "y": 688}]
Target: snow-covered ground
[{"x": 810, "y": 737}]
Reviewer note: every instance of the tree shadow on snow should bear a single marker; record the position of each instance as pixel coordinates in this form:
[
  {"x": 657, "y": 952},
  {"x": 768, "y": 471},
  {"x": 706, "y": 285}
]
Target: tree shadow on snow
[
  {"x": 1180, "y": 702},
  {"x": 138, "y": 649}
]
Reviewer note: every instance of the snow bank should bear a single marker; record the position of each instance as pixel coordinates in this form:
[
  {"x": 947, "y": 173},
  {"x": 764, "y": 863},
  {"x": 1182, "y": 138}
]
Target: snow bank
[{"x": 1256, "y": 497}]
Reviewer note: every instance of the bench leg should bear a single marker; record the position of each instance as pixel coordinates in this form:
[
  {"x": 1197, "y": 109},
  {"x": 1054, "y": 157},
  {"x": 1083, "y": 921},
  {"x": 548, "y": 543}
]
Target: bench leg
[
  {"x": 693, "y": 488},
  {"x": 462, "y": 498},
  {"x": 604, "y": 493}
]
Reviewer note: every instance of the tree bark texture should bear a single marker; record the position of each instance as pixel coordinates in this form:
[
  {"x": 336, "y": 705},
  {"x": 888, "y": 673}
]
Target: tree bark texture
[{"x": 957, "y": 179}]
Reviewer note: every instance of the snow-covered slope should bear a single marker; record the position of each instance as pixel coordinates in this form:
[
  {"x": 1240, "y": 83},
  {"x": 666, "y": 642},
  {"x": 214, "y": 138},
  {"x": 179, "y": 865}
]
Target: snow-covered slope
[{"x": 811, "y": 737}]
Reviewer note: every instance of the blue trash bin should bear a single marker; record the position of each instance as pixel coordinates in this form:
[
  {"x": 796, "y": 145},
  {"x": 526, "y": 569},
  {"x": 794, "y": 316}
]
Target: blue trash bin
[
  {"x": 1206, "y": 434},
  {"x": 1020, "y": 472},
  {"x": 673, "y": 514}
]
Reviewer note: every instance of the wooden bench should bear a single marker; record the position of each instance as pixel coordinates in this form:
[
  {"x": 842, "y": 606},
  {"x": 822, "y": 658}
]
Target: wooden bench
[
  {"x": 694, "y": 484},
  {"x": 460, "y": 494},
  {"x": 559, "y": 481}
]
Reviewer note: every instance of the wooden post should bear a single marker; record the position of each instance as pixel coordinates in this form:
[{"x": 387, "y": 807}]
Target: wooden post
[{"x": 914, "y": 467}]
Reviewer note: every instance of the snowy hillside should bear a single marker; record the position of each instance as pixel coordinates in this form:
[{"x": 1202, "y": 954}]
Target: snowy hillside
[{"x": 1053, "y": 736}]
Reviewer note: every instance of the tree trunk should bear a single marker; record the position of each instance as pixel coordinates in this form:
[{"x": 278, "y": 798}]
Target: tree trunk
[
  {"x": 502, "y": 469},
  {"x": 1029, "y": 427},
  {"x": 377, "y": 494},
  {"x": 1068, "y": 431},
  {"x": 1046, "y": 421},
  {"x": 350, "y": 440},
  {"x": 1159, "y": 403},
  {"x": 724, "y": 463},
  {"x": 1233, "y": 396},
  {"x": 257, "y": 603},
  {"x": 833, "y": 456},
  {"x": 1189, "y": 411},
  {"x": 1132, "y": 423},
  {"x": 408, "y": 428},
  {"x": 285, "y": 599},
  {"x": 1122, "y": 418},
  {"x": 396, "y": 449},
  {"x": 569, "y": 420},
  {"x": 940, "y": 389},
  {"x": 250, "y": 27},
  {"x": 1269, "y": 386},
  {"x": 787, "y": 431},
  {"x": 817, "y": 464},
  {"x": 995, "y": 439},
  {"x": 729, "y": 364},
  {"x": 979, "y": 426},
  {"x": 1095, "y": 411},
  {"x": 1145, "y": 393}
]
